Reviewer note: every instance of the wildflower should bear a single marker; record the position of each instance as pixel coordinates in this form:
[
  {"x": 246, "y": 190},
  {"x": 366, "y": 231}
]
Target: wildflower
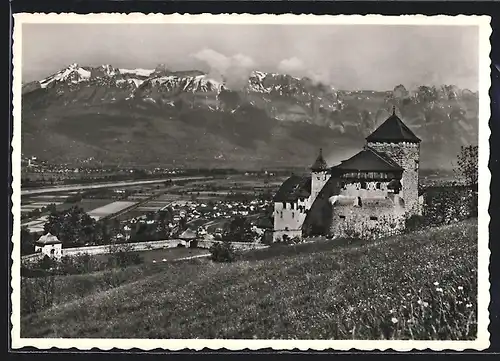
[
  {"x": 469, "y": 305},
  {"x": 439, "y": 289},
  {"x": 394, "y": 320},
  {"x": 408, "y": 294},
  {"x": 419, "y": 302},
  {"x": 436, "y": 283},
  {"x": 425, "y": 304},
  {"x": 460, "y": 288}
]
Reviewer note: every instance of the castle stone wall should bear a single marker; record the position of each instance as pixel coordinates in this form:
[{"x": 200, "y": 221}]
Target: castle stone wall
[
  {"x": 407, "y": 155},
  {"x": 318, "y": 181},
  {"x": 367, "y": 221}
]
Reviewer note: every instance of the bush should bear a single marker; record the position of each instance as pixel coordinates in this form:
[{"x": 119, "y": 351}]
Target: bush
[
  {"x": 222, "y": 252},
  {"x": 415, "y": 222},
  {"x": 123, "y": 259},
  {"x": 46, "y": 263},
  {"x": 37, "y": 294}
]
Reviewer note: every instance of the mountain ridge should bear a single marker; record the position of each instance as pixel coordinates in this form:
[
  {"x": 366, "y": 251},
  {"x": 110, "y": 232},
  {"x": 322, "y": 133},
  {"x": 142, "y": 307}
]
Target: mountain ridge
[{"x": 190, "y": 117}]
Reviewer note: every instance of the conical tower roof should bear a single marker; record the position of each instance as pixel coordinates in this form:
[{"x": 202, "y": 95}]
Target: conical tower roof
[
  {"x": 320, "y": 163},
  {"x": 393, "y": 130}
]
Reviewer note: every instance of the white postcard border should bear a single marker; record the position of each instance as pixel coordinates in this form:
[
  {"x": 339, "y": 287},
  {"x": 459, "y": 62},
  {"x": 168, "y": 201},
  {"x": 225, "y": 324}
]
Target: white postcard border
[{"x": 482, "y": 342}]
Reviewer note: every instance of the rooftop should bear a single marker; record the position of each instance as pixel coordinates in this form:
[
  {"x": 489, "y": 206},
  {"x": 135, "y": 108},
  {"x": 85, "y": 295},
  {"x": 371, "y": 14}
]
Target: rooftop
[
  {"x": 368, "y": 160},
  {"x": 320, "y": 163},
  {"x": 393, "y": 130},
  {"x": 48, "y": 239},
  {"x": 294, "y": 188}
]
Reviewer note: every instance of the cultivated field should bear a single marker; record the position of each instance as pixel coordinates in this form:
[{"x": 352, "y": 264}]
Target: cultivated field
[
  {"x": 414, "y": 286},
  {"x": 109, "y": 209}
]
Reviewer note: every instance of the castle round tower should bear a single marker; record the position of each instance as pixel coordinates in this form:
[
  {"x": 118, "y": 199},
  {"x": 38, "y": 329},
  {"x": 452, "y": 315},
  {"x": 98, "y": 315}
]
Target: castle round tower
[
  {"x": 397, "y": 141},
  {"x": 320, "y": 174}
]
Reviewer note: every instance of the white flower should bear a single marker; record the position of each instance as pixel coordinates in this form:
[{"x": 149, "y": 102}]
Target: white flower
[
  {"x": 394, "y": 320},
  {"x": 469, "y": 305},
  {"x": 439, "y": 289},
  {"x": 460, "y": 288},
  {"x": 425, "y": 304},
  {"x": 419, "y": 302},
  {"x": 436, "y": 283}
]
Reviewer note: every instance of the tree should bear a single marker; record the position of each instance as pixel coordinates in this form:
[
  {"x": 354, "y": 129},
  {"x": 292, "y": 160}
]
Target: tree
[
  {"x": 467, "y": 165},
  {"x": 27, "y": 242},
  {"x": 162, "y": 229},
  {"x": 73, "y": 227},
  {"x": 222, "y": 252},
  {"x": 239, "y": 230}
]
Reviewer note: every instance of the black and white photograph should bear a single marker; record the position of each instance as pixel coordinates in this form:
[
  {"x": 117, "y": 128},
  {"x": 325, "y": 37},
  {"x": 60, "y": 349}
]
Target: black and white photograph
[{"x": 250, "y": 181}]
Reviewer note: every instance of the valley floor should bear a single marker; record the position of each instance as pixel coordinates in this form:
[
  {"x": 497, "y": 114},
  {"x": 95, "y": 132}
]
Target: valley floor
[{"x": 421, "y": 285}]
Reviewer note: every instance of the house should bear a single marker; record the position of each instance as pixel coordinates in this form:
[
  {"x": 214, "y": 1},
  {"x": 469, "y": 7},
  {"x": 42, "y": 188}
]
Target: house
[
  {"x": 370, "y": 194},
  {"x": 49, "y": 245}
]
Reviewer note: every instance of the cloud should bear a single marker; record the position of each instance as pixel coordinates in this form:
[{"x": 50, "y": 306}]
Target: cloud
[
  {"x": 233, "y": 70},
  {"x": 293, "y": 66},
  {"x": 296, "y": 67}
]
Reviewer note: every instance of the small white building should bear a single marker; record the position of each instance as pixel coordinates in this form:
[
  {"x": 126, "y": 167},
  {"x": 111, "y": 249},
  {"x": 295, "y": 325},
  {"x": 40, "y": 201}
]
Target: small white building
[{"x": 49, "y": 245}]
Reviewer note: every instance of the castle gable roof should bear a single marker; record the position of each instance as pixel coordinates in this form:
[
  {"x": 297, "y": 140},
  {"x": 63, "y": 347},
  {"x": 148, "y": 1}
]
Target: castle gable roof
[
  {"x": 294, "y": 188},
  {"x": 368, "y": 160},
  {"x": 393, "y": 130},
  {"x": 320, "y": 163},
  {"x": 47, "y": 239}
]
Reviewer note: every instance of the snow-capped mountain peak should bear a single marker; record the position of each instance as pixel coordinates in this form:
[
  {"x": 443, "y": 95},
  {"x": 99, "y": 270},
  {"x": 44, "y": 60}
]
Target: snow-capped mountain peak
[
  {"x": 138, "y": 72},
  {"x": 73, "y": 73},
  {"x": 187, "y": 81}
]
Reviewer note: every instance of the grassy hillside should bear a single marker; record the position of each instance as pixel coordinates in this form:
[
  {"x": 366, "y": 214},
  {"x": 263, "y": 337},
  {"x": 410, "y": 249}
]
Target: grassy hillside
[{"x": 415, "y": 286}]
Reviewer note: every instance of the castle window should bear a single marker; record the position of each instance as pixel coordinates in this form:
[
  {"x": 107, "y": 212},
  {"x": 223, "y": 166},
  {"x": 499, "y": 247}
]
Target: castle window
[
  {"x": 293, "y": 215},
  {"x": 281, "y": 214},
  {"x": 359, "y": 203},
  {"x": 363, "y": 185},
  {"x": 377, "y": 185},
  {"x": 373, "y": 218}
]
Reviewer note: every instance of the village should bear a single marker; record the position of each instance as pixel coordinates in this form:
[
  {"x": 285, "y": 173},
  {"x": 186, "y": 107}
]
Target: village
[{"x": 177, "y": 210}]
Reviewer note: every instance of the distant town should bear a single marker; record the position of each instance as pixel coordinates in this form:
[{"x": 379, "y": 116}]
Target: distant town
[{"x": 138, "y": 204}]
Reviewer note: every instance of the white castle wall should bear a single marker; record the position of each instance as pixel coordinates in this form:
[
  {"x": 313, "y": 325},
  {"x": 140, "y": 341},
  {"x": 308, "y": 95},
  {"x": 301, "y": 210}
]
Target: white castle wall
[{"x": 288, "y": 218}]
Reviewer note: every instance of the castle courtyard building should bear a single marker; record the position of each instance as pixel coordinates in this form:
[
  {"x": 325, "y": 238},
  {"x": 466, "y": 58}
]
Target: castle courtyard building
[{"x": 368, "y": 195}]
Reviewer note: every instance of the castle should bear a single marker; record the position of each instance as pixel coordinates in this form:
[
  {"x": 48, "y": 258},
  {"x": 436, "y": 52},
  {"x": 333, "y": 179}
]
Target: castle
[{"x": 370, "y": 194}]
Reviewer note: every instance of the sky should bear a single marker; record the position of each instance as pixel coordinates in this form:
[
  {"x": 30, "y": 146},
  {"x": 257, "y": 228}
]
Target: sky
[{"x": 369, "y": 57}]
